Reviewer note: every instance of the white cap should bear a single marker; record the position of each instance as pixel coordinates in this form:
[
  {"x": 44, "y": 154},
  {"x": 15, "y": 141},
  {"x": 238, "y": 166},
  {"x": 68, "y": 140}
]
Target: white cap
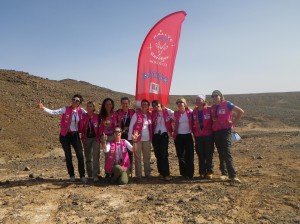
[{"x": 201, "y": 96}]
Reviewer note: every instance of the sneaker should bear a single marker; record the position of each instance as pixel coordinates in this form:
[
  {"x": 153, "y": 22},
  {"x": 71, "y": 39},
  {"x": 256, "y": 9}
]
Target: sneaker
[
  {"x": 202, "y": 176},
  {"x": 235, "y": 180},
  {"x": 148, "y": 176},
  {"x": 209, "y": 176},
  {"x": 96, "y": 179},
  {"x": 167, "y": 178},
  {"x": 72, "y": 179},
  {"x": 83, "y": 179},
  {"x": 223, "y": 177}
]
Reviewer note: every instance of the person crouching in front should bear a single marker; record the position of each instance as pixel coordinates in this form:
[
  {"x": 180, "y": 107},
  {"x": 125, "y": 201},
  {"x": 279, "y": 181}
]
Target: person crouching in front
[{"x": 117, "y": 162}]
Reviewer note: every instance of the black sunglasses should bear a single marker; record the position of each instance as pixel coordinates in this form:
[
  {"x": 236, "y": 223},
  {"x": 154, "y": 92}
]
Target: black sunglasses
[
  {"x": 179, "y": 102},
  {"x": 214, "y": 96},
  {"x": 117, "y": 131},
  {"x": 76, "y": 100}
]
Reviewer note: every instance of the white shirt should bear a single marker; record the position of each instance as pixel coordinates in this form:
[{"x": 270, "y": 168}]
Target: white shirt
[
  {"x": 145, "y": 135},
  {"x": 119, "y": 154},
  {"x": 184, "y": 126},
  {"x": 161, "y": 126},
  {"x": 75, "y": 117}
]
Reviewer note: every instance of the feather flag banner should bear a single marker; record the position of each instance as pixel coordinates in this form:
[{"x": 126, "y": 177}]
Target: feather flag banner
[{"x": 157, "y": 59}]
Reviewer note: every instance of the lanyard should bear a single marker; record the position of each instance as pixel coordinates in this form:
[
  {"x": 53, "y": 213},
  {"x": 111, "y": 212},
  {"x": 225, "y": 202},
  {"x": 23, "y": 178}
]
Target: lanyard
[{"x": 124, "y": 119}]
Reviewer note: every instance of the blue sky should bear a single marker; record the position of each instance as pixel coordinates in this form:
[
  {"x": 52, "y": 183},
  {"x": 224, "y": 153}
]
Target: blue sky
[{"x": 235, "y": 46}]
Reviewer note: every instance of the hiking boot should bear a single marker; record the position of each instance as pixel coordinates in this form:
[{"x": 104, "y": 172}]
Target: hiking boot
[
  {"x": 202, "y": 176},
  {"x": 72, "y": 179},
  {"x": 167, "y": 178},
  {"x": 223, "y": 177},
  {"x": 96, "y": 179},
  {"x": 209, "y": 176},
  {"x": 83, "y": 179},
  {"x": 235, "y": 180}
]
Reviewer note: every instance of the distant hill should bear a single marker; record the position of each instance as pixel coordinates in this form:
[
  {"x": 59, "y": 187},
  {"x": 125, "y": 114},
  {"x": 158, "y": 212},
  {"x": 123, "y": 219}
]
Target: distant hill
[{"x": 24, "y": 127}]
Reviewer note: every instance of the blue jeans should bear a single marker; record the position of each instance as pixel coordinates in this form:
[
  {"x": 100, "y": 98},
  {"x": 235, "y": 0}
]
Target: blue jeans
[{"x": 72, "y": 138}]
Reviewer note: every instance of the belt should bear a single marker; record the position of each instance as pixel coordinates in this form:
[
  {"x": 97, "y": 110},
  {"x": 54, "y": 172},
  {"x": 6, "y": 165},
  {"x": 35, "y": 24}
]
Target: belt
[{"x": 71, "y": 133}]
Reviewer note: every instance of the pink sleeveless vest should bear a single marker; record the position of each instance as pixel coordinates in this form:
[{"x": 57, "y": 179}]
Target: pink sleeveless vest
[
  {"x": 177, "y": 115},
  {"x": 66, "y": 118},
  {"x": 111, "y": 156},
  {"x": 167, "y": 120},
  {"x": 120, "y": 114},
  {"x": 108, "y": 124},
  {"x": 207, "y": 122},
  {"x": 222, "y": 117},
  {"x": 84, "y": 126},
  {"x": 138, "y": 126}
]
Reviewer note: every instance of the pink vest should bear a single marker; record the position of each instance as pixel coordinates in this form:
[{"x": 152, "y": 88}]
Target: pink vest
[
  {"x": 138, "y": 126},
  {"x": 111, "y": 157},
  {"x": 207, "y": 122},
  {"x": 66, "y": 118},
  {"x": 120, "y": 115},
  {"x": 84, "y": 126},
  {"x": 108, "y": 124},
  {"x": 222, "y": 118},
  {"x": 167, "y": 120},
  {"x": 177, "y": 116}
]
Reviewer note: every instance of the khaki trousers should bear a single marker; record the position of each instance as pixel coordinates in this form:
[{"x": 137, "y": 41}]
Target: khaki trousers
[
  {"x": 92, "y": 149},
  {"x": 143, "y": 150}
]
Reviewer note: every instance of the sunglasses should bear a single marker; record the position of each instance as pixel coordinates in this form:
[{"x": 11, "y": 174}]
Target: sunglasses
[
  {"x": 117, "y": 131},
  {"x": 214, "y": 96},
  {"x": 76, "y": 100},
  {"x": 179, "y": 102}
]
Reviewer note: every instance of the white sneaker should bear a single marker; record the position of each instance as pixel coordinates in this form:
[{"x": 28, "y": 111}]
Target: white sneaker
[
  {"x": 235, "y": 180},
  {"x": 72, "y": 179},
  {"x": 223, "y": 177},
  {"x": 83, "y": 179}
]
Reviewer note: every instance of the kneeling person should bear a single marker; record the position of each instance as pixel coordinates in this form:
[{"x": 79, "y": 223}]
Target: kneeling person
[{"x": 117, "y": 162}]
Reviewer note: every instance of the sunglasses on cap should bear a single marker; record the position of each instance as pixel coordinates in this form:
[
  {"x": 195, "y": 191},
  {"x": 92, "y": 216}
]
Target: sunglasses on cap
[{"x": 76, "y": 100}]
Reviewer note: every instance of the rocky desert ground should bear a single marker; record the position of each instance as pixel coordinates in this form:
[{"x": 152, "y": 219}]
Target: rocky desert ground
[{"x": 34, "y": 186}]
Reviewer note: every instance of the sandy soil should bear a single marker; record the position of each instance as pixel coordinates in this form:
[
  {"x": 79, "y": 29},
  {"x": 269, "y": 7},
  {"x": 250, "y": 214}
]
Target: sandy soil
[
  {"x": 34, "y": 186},
  {"x": 35, "y": 189}
]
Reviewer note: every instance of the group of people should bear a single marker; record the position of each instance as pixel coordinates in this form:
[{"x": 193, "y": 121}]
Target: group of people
[{"x": 127, "y": 136}]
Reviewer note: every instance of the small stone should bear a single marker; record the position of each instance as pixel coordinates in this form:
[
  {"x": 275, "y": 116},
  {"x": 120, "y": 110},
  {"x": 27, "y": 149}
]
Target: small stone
[
  {"x": 26, "y": 168},
  {"x": 183, "y": 200},
  {"x": 195, "y": 198},
  {"x": 199, "y": 188},
  {"x": 150, "y": 198}
]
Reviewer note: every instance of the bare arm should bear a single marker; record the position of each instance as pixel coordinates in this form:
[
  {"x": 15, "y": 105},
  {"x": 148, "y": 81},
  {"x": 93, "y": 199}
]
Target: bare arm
[{"x": 239, "y": 112}]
